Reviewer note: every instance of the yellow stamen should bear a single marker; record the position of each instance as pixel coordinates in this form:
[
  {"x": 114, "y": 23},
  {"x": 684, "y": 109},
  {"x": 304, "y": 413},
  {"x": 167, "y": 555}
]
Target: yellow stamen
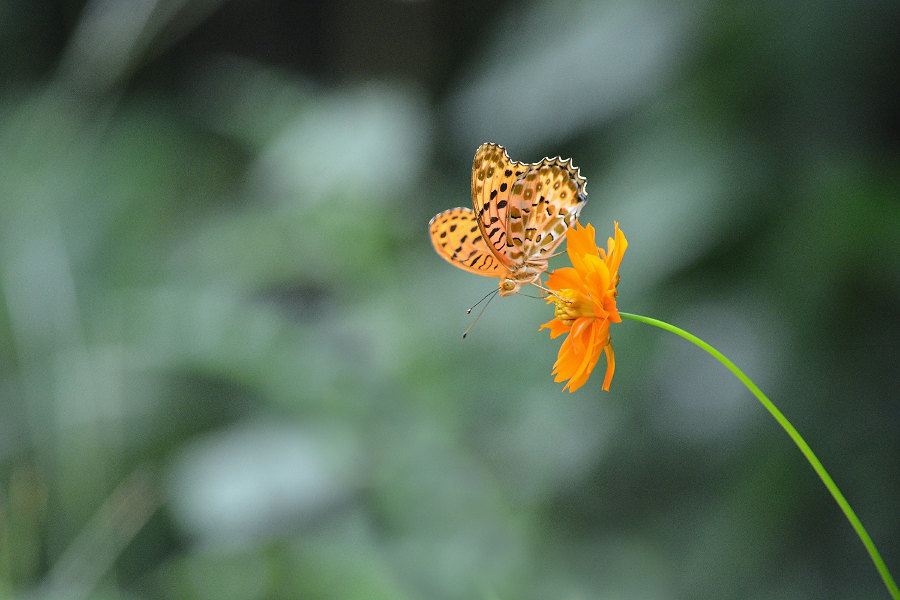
[{"x": 572, "y": 304}]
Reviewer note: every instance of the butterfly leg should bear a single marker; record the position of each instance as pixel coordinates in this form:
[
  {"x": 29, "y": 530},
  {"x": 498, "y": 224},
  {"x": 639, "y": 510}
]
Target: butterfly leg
[{"x": 545, "y": 291}]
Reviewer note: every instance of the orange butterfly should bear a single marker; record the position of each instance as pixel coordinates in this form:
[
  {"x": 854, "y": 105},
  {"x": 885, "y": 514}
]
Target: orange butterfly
[{"x": 521, "y": 214}]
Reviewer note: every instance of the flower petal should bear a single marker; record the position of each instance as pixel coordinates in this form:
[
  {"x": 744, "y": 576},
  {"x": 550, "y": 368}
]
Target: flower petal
[
  {"x": 580, "y": 240},
  {"x": 579, "y": 244},
  {"x": 591, "y": 346},
  {"x": 556, "y": 327},
  {"x": 565, "y": 278},
  {"x": 617, "y": 249},
  {"x": 610, "y": 366}
]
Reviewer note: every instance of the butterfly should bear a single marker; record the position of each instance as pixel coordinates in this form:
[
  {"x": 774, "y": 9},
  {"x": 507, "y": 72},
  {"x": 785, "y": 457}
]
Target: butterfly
[{"x": 520, "y": 214}]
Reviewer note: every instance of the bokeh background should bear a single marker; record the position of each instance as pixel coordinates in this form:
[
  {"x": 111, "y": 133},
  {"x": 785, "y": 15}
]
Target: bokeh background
[{"x": 231, "y": 365}]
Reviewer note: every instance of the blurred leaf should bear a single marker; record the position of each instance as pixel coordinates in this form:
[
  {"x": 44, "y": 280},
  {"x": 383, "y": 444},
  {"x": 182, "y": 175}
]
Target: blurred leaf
[
  {"x": 548, "y": 70},
  {"x": 258, "y": 479}
]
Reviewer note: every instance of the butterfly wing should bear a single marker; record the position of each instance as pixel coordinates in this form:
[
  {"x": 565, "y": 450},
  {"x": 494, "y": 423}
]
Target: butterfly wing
[
  {"x": 543, "y": 203},
  {"x": 493, "y": 175},
  {"x": 458, "y": 239},
  {"x": 520, "y": 215}
]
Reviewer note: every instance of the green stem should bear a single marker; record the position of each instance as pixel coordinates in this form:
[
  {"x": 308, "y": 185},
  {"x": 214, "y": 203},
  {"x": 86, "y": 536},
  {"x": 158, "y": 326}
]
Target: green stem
[{"x": 798, "y": 440}]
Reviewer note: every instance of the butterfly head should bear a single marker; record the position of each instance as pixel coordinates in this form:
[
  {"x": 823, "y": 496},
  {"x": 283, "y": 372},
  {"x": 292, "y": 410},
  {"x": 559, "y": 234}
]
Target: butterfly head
[
  {"x": 529, "y": 273},
  {"x": 509, "y": 286}
]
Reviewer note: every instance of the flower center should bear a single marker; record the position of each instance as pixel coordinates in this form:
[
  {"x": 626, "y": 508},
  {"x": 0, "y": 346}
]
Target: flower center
[{"x": 572, "y": 304}]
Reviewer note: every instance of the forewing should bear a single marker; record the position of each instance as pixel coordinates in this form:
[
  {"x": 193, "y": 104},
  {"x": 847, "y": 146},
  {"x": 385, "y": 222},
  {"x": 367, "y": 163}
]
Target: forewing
[
  {"x": 543, "y": 204},
  {"x": 457, "y": 238},
  {"x": 493, "y": 175}
]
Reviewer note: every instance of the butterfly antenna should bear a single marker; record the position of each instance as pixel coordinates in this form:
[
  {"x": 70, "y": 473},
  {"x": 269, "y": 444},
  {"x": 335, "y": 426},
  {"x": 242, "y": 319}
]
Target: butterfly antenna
[
  {"x": 483, "y": 308},
  {"x": 471, "y": 308}
]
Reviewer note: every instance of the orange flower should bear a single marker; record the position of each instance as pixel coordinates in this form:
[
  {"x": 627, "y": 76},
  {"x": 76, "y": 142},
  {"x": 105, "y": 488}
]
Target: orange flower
[{"x": 585, "y": 298}]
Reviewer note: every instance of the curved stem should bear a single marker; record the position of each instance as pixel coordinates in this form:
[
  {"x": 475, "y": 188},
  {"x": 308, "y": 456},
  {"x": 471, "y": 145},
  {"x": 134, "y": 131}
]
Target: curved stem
[{"x": 798, "y": 440}]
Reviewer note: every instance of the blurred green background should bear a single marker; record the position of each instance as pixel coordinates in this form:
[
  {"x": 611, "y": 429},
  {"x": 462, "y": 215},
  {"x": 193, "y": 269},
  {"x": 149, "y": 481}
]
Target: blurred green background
[{"x": 230, "y": 361}]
